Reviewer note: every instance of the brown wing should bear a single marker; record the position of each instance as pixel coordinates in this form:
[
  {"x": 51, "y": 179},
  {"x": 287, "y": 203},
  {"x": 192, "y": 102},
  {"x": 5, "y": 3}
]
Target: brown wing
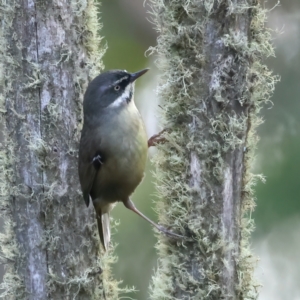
[
  {"x": 87, "y": 174},
  {"x": 86, "y": 169}
]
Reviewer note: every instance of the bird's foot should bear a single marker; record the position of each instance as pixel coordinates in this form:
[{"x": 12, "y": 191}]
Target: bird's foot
[
  {"x": 170, "y": 233},
  {"x": 97, "y": 162},
  {"x": 156, "y": 139},
  {"x": 130, "y": 205}
]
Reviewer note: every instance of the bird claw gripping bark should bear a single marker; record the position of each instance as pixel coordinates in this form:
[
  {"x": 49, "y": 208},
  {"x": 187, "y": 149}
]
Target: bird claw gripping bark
[
  {"x": 157, "y": 139},
  {"x": 97, "y": 162}
]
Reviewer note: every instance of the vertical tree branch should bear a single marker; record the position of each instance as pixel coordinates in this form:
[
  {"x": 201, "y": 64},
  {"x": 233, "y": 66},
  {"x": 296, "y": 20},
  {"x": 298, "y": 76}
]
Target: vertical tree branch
[
  {"x": 50, "y": 50},
  {"x": 213, "y": 87}
]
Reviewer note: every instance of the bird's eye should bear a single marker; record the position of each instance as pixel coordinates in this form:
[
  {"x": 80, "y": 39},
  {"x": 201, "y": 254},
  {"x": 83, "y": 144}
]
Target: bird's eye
[{"x": 117, "y": 87}]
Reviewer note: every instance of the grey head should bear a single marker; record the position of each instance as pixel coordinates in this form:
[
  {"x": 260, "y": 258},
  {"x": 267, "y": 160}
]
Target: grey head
[{"x": 110, "y": 89}]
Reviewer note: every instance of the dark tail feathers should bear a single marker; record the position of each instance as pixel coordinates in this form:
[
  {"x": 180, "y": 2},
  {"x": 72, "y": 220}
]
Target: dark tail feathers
[{"x": 104, "y": 229}]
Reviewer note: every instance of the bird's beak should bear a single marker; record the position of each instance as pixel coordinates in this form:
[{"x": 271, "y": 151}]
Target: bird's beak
[{"x": 135, "y": 76}]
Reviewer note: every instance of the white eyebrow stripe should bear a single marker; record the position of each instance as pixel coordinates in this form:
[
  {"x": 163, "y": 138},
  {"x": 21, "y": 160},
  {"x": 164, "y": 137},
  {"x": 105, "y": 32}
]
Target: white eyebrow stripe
[{"x": 120, "y": 80}]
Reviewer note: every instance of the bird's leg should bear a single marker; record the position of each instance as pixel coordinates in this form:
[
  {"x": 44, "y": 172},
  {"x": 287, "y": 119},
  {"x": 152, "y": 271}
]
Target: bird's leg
[
  {"x": 97, "y": 162},
  {"x": 156, "y": 139},
  {"x": 130, "y": 205}
]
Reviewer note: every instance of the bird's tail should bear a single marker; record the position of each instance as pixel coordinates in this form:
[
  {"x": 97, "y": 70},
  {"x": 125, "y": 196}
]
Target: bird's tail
[{"x": 104, "y": 229}]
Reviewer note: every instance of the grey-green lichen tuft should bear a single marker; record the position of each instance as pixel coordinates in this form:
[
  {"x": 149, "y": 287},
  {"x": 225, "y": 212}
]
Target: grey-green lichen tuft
[
  {"x": 13, "y": 284},
  {"x": 50, "y": 246},
  {"x": 213, "y": 87}
]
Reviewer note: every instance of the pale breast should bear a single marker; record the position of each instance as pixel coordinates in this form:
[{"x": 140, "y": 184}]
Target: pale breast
[{"x": 126, "y": 143}]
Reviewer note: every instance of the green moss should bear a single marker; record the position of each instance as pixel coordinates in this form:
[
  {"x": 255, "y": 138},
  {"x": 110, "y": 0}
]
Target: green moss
[
  {"x": 213, "y": 86},
  {"x": 47, "y": 194},
  {"x": 12, "y": 284}
]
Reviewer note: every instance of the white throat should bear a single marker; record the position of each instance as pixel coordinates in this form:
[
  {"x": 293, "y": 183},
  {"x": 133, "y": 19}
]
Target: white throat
[{"x": 123, "y": 99}]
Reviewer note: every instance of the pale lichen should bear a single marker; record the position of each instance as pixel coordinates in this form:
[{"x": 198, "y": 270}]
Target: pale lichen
[
  {"x": 213, "y": 85},
  {"x": 46, "y": 62}
]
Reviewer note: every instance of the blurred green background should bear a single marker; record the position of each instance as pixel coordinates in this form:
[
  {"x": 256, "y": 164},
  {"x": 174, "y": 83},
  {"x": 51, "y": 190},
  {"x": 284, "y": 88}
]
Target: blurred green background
[{"x": 277, "y": 237}]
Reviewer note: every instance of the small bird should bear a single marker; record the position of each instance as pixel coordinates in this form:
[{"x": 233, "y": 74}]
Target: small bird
[{"x": 113, "y": 147}]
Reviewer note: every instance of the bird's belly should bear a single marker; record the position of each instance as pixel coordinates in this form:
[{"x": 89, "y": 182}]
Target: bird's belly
[
  {"x": 119, "y": 177},
  {"x": 123, "y": 169}
]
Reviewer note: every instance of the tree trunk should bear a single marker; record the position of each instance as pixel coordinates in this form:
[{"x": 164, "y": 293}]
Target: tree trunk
[
  {"x": 49, "y": 52},
  {"x": 213, "y": 87}
]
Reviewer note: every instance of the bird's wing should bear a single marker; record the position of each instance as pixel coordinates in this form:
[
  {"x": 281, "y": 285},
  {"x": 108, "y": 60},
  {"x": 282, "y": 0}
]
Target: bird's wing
[
  {"x": 86, "y": 166},
  {"x": 87, "y": 173}
]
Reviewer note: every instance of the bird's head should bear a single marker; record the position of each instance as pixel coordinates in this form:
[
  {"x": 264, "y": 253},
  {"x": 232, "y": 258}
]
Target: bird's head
[{"x": 111, "y": 89}]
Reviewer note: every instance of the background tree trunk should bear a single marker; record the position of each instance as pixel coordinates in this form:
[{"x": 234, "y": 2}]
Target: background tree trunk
[
  {"x": 213, "y": 87},
  {"x": 49, "y": 51}
]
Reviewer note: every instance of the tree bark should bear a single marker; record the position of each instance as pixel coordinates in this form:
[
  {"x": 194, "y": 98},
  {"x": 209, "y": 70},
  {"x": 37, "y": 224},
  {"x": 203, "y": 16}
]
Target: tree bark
[
  {"x": 49, "y": 52},
  {"x": 212, "y": 89}
]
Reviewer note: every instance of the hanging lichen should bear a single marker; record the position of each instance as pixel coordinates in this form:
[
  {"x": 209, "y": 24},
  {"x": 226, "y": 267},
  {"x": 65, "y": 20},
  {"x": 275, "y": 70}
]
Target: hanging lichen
[
  {"x": 213, "y": 85},
  {"x": 50, "y": 247}
]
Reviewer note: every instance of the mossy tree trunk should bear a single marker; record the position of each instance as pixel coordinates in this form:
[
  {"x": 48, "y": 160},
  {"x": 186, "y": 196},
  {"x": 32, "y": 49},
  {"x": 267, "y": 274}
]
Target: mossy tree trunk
[
  {"x": 213, "y": 87},
  {"x": 49, "y": 52}
]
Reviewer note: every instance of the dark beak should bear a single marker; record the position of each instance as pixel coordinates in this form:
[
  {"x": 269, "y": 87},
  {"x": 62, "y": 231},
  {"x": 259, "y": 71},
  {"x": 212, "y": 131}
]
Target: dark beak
[{"x": 135, "y": 76}]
